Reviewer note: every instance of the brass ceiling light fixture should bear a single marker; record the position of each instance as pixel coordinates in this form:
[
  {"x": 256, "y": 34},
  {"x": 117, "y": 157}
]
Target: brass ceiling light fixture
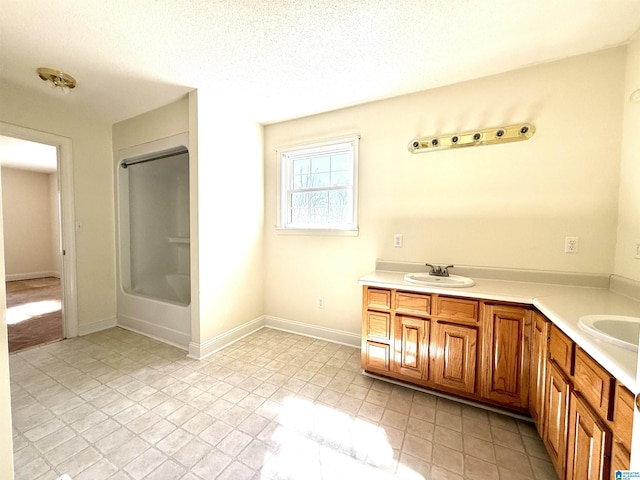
[{"x": 54, "y": 78}]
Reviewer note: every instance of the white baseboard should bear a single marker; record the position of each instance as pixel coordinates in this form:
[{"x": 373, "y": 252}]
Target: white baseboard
[
  {"x": 29, "y": 276},
  {"x": 315, "y": 331},
  {"x": 97, "y": 326},
  {"x": 157, "y": 332},
  {"x": 202, "y": 350}
]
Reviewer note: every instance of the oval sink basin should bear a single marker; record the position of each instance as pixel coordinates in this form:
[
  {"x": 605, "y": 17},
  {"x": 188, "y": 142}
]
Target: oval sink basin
[
  {"x": 455, "y": 281},
  {"x": 619, "y": 330}
]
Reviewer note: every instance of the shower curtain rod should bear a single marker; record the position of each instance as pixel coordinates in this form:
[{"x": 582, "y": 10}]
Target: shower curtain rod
[{"x": 125, "y": 164}]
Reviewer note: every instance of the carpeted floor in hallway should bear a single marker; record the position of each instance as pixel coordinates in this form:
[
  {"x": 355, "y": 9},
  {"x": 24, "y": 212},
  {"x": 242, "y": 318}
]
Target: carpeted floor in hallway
[{"x": 34, "y": 314}]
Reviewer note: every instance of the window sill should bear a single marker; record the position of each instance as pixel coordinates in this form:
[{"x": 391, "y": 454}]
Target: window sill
[{"x": 317, "y": 232}]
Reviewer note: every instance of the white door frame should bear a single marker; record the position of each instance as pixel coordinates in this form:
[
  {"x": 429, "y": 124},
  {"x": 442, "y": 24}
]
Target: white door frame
[{"x": 67, "y": 216}]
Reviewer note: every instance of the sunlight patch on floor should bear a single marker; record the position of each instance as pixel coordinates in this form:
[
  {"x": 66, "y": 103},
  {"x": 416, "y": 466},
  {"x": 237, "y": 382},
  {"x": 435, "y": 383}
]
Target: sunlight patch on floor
[
  {"x": 20, "y": 313},
  {"x": 317, "y": 441}
]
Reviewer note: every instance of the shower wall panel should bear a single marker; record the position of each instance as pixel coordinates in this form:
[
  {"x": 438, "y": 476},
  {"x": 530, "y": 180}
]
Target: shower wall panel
[{"x": 158, "y": 227}]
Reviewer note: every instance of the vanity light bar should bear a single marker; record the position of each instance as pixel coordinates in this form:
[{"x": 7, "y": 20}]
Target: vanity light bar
[{"x": 487, "y": 136}]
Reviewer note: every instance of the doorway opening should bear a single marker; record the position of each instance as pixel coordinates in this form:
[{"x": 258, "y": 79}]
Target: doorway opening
[
  {"x": 39, "y": 236},
  {"x": 32, "y": 240}
]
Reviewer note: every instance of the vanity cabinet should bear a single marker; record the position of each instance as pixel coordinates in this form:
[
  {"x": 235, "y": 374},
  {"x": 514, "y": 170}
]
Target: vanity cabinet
[
  {"x": 436, "y": 341},
  {"x": 587, "y": 416},
  {"x": 506, "y": 354},
  {"x": 538, "y": 367}
]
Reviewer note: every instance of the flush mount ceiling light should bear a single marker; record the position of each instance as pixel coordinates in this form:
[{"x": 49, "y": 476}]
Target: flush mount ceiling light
[{"x": 57, "y": 78}]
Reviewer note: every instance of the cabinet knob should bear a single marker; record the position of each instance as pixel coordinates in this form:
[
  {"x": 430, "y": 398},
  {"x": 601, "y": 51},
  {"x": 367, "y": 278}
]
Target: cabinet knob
[{"x": 638, "y": 402}]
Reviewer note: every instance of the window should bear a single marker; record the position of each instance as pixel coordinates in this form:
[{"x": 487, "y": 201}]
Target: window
[{"x": 318, "y": 186}]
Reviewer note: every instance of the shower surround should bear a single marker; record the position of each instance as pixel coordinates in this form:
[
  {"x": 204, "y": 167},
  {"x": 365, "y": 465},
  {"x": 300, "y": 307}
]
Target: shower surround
[{"x": 154, "y": 295}]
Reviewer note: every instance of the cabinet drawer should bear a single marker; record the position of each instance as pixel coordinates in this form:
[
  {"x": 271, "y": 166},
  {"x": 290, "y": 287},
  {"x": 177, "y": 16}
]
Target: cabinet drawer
[
  {"x": 378, "y": 326},
  {"x": 594, "y": 383},
  {"x": 561, "y": 350},
  {"x": 457, "y": 309},
  {"x": 623, "y": 416},
  {"x": 413, "y": 303},
  {"x": 378, "y": 298}
]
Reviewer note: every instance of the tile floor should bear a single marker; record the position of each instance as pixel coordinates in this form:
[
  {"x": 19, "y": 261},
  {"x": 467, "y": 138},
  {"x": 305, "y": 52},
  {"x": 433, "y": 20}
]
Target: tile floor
[{"x": 274, "y": 405}]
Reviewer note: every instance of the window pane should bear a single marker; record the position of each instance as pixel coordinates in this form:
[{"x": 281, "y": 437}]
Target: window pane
[
  {"x": 301, "y": 181},
  {"x": 318, "y": 199},
  {"x": 339, "y": 197},
  {"x": 338, "y": 214},
  {"x": 320, "y": 164},
  {"x": 339, "y": 206},
  {"x": 299, "y": 207},
  {"x": 300, "y": 215},
  {"x": 341, "y": 178},
  {"x": 319, "y": 215},
  {"x": 341, "y": 162},
  {"x": 301, "y": 166},
  {"x": 319, "y": 180},
  {"x": 299, "y": 200}
]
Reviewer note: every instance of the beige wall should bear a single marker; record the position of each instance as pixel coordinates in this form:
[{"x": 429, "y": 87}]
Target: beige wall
[
  {"x": 629, "y": 201},
  {"x": 6, "y": 432},
  {"x": 230, "y": 218},
  {"x": 28, "y": 242},
  {"x": 504, "y": 206},
  {"x": 162, "y": 122},
  {"x": 93, "y": 189}
]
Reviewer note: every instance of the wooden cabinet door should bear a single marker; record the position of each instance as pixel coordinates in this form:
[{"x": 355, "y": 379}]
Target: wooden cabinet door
[
  {"x": 555, "y": 412},
  {"x": 538, "y": 365},
  {"x": 454, "y": 350},
  {"x": 506, "y": 355},
  {"x": 589, "y": 443},
  {"x": 620, "y": 458},
  {"x": 375, "y": 357},
  {"x": 411, "y": 347}
]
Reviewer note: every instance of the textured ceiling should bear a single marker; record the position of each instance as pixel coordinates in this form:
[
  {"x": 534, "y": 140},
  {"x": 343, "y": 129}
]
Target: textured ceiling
[{"x": 272, "y": 60}]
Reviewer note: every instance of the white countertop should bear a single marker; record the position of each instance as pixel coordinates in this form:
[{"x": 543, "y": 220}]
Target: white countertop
[{"x": 562, "y": 304}]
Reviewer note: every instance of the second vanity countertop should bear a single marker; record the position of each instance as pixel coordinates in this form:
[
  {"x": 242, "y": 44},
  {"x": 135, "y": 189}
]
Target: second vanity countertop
[{"x": 562, "y": 304}]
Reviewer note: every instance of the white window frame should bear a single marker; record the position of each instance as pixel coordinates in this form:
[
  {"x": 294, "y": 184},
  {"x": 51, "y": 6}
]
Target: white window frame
[{"x": 286, "y": 156}]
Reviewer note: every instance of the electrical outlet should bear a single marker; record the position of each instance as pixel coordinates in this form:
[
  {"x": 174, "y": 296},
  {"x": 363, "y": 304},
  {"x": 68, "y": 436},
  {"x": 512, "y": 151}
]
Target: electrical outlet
[
  {"x": 397, "y": 240},
  {"x": 637, "y": 255},
  {"x": 570, "y": 244},
  {"x": 320, "y": 302}
]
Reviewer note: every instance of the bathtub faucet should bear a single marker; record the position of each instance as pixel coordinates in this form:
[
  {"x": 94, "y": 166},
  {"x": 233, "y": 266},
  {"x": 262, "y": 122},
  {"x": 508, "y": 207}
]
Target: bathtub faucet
[{"x": 438, "y": 271}]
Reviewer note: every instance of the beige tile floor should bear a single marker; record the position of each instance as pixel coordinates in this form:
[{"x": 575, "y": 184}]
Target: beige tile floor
[{"x": 274, "y": 405}]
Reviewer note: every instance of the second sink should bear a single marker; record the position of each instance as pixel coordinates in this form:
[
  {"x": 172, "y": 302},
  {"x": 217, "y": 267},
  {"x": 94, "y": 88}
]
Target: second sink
[
  {"x": 455, "y": 281},
  {"x": 619, "y": 330}
]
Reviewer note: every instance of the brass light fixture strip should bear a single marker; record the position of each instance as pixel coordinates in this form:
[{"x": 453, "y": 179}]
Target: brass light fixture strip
[{"x": 487, "y": 136}]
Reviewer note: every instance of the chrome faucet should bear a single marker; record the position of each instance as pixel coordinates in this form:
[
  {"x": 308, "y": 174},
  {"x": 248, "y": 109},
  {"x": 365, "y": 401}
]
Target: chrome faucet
[{"x": 438, "y": 271}]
